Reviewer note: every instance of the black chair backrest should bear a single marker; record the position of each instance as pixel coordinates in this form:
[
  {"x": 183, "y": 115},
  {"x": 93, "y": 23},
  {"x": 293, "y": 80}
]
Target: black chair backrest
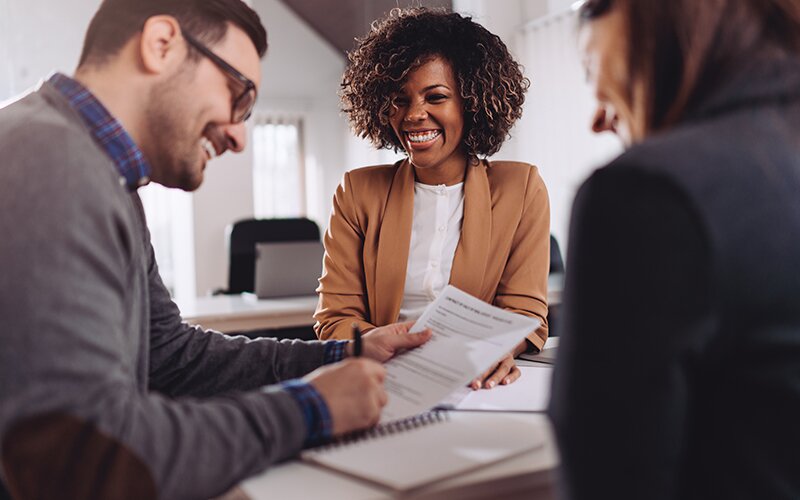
[
  {"x": 556, "y": 262},
  {"x": 242, "y": 238},
  {"x": 556, "y": 267}
]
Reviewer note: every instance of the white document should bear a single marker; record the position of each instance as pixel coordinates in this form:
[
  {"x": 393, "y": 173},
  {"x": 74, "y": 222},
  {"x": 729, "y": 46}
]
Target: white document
[
  {"x": 530, "y": 392},
  {"x": 469, "y": 336}
]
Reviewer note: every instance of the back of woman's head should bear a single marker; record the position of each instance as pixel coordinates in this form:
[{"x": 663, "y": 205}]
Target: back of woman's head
[{"x": 681, "y": 51}]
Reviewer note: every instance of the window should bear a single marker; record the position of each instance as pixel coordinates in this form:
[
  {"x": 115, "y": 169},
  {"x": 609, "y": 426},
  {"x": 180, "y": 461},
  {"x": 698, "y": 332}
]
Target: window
[
  {"x": 170, "y": 220},
  {"x": 279, "y": 177}
]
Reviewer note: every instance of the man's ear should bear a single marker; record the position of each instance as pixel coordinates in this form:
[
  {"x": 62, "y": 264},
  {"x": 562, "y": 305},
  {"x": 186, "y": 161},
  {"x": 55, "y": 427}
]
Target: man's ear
[{"x": 161, "y": 45}]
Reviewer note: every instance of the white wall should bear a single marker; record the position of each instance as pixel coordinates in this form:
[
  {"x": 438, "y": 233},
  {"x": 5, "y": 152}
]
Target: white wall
[
  {"x": 37, "y": 37},
  {"x": 505, "y": 20},
  {"x": 6, "y": 69},
  {"x": 559, "y": 5},
  {"x": 502, "y": 18}
]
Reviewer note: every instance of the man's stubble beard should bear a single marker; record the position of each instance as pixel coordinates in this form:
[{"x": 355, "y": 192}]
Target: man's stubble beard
[{"x": 175, "y": 151}]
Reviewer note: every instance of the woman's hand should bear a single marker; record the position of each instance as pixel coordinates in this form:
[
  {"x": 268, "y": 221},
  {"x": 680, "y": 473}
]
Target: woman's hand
[{"x": 505, "y": 372}]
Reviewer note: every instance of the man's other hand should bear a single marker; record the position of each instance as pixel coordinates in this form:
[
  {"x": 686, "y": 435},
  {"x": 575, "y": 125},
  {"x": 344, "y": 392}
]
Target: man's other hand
[{"x": 353, "y": 391}]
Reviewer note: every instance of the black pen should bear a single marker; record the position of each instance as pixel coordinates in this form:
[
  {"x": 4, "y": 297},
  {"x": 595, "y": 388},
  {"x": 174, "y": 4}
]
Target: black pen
[{"x": 356, "y": 341}]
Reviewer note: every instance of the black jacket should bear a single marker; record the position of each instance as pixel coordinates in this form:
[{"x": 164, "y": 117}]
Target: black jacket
[{"x": 679, "y": 366}]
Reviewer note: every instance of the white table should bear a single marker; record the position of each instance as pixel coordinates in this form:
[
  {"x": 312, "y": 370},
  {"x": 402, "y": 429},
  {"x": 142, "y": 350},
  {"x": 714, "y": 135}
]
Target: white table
[{"x": 237, "y": 313}]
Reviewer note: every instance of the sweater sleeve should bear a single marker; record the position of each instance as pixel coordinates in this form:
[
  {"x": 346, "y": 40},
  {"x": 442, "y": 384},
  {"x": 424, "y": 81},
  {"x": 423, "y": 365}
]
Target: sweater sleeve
[
  {"x": 636, "y": 308},
  {"x": 186, "y": 360}
]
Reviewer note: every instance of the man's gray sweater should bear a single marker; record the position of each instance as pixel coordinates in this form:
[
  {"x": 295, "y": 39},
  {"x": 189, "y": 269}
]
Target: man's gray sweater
[{"x": 90, "y": 334}]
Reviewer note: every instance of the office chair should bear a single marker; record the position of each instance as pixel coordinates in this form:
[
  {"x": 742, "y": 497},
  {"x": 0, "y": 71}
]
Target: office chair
[
  {"x": 241, "y": 239},
  {"x": 556, "y": 262},
  {"x": 556, "y": 267}
]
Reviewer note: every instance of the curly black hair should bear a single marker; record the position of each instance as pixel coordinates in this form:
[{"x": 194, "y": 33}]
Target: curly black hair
[{"x": 491, "y": 82}]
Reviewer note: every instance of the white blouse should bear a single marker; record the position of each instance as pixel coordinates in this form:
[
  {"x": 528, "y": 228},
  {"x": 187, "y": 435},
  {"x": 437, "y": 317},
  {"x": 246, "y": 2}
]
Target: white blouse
[{"x": 435, "y": 231}]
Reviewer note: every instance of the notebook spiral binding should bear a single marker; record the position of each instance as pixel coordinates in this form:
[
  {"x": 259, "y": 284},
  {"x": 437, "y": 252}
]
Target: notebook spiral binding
[{"x": 389, "y": 428}]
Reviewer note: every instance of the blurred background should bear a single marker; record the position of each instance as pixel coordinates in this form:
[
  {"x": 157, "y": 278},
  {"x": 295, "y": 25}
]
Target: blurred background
[{"x": 300, "y": 144}]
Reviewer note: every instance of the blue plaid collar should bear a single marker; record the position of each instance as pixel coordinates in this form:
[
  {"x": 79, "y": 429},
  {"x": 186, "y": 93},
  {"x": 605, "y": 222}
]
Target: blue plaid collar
[{"x": 107, "y": 132}]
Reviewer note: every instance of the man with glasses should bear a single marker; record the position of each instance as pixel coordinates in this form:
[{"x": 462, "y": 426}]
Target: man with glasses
[{"x": 104, "y": 391}]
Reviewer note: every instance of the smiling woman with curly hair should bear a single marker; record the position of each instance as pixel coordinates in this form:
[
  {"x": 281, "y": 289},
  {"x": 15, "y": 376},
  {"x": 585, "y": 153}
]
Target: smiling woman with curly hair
[
  {"x": 490, "y": 81},
  {"x": 446, "y": 91}
]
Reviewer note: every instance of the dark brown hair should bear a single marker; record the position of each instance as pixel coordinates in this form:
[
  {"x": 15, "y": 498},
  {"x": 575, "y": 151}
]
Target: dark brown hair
[
  {"x": 681, "y": 51},
  {"x": 116, "y": 21},
  {"x": 490, "y": 80}
]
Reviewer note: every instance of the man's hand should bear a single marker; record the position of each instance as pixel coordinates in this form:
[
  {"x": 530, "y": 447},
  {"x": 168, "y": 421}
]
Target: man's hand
[
  {"x": 353, "y": 391},
  {"x": 384, "y": 342}
]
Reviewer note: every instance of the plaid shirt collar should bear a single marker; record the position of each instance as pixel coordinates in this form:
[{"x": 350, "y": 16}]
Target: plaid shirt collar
[{"x": 107, "y": 132}]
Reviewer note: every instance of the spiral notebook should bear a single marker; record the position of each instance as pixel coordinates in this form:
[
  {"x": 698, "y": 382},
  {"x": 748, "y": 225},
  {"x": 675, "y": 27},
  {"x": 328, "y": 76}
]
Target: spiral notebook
[{"x": 421, "y": 450}]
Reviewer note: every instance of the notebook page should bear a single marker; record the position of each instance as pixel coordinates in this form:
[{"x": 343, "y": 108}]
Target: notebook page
[
  {"x": 423, "y": 455},
  {"x": 531, "y": 392}
]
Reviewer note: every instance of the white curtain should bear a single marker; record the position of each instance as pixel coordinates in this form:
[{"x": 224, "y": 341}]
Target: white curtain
[
  {"x": 170, "y": 220},
  {"x": 554, "y": 130},
  {"x": 279, "y": 176}
]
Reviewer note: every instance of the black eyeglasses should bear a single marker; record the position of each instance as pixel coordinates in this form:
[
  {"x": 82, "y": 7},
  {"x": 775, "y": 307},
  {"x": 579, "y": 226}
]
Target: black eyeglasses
[{"x": 242, "y": 106}]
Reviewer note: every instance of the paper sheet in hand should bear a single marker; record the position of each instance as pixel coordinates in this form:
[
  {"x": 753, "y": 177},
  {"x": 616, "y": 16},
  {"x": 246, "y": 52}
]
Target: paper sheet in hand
[{"x": 469, "y": 336}]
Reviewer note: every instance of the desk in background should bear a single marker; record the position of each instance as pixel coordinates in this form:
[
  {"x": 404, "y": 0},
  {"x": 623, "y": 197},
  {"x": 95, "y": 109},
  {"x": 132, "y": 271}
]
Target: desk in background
[{"x": 245, "y": 312}]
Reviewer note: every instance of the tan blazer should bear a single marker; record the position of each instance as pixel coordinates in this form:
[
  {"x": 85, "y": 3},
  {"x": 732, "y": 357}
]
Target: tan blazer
[{"x": 503, "y": 256}]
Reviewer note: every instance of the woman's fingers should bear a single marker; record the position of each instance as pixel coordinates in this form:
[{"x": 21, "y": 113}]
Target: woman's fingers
[
  {"x": 479, "y": 382},
  {"x": 501, "y": 371},
  {"x": 512, "y": 376}
]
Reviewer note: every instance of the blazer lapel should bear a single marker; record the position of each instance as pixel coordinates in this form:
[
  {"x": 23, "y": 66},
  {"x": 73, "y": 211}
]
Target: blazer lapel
[
  {"x": 393, "y": 246},
  {"x": 472, "y": 252}
]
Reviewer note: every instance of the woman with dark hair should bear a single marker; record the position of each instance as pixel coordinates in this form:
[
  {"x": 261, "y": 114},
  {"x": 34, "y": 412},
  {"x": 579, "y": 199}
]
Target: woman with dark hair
[
  {"x": 446, "y": 91},
  {"x": 690, "y": 239}
]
